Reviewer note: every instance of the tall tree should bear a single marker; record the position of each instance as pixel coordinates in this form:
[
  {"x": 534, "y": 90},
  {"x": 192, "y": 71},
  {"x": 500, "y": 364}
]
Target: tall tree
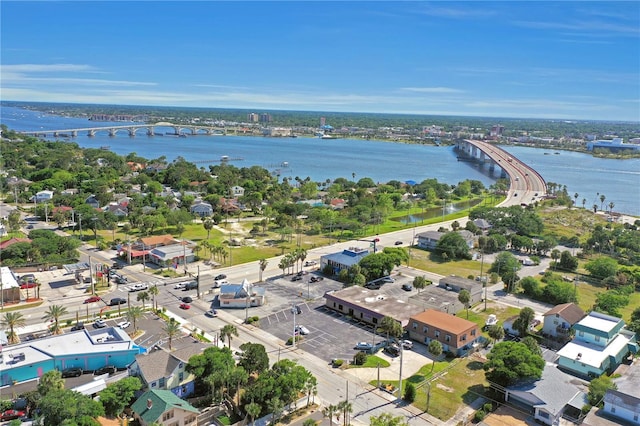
[
  {"x": 171, "y": 329},
  {"x": 262, "y": 265},
  {"x": 50, "y": 381},
  {"x": 435, "y": 348},
  {"x": 524, "y": 320},
  {"x": 12, "y": 321},
  {"x": 143, "y": 296},
  {"x": 391, "y": 327},
  {"x": 509, "y": 362},
  {"x": 253, "y": 410},
  {"x": 53, "y": 314},
  {"x": 154, "y": 291},
  {"x": 464, "y": 297},
  {"x": 119, "y": 395},
  {"x": 134, "y": 313},
  {"x": 387, "y": 419},
  {"x": 227, "y": 332}
]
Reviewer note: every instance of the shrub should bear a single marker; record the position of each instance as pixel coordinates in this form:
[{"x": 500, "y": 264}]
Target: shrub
[
  {"x": 337, "y": 362},
  {"x": 360, "y": 358},
  {"x": 410, "y": 392},
  {"x": 479, "y": 416},
  {"x": 488, "y": 407},
  {"x": 290, "y": 340}
]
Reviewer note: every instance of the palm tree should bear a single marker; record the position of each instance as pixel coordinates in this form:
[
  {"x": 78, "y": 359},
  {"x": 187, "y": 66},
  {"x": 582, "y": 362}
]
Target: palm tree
[
  {"x": 464, "y": 297},
  {"x": 263, "y": 265},
  {"x": 253, "y": 410},
  {"x": 51, "y": 380},
  {"x": 133, "y": 314},
  {"x": 172, "y": 328},
  {"x": 53, "y": 314},
  {"x": 227, "y": 332},
  {"x": 347, "y": 408},
  {"x": 13, "y": 320},
  {"x": 435, "y": 348},
  {"x": 584, "y": 201},
  {"x": 611, "y": 206},
  {"x": 329, "y": 411},
  {"x": 208, "y": 225},
  {"x": 555, "y": 255},
  {"x": 602, "y": 198},
  {"x": 575, "y": 196},
  {"x": 143, "y": 296},
  {"x": 154, "y": 291}
]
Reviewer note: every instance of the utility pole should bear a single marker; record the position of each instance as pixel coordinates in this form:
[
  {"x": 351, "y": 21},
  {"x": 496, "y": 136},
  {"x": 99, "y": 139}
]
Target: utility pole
[{"x": 198, "y": 283}]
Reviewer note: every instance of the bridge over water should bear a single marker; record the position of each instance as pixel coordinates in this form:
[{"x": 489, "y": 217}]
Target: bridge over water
[
  {"x": 526, "y": 184},
  {"x": 149, "y": 129}
]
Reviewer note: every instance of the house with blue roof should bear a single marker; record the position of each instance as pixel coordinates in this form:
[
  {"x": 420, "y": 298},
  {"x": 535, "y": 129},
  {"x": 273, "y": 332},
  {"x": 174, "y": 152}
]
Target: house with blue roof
[
  {"x": 600, "y": 344},
  {"x": 344, "y": 259}
]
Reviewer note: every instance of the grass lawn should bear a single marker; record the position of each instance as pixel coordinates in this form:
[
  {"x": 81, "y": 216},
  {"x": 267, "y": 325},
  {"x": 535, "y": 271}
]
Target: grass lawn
[
  {"x": 478, "y": 315},
  {"x": 427, "y": 261},
  {"x": 459, "y": 383},
  {"x": 372, "y": 362}
]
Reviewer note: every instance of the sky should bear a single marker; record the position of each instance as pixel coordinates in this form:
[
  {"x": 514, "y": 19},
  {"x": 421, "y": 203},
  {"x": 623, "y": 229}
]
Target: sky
[{"x": 557, "y": 60}]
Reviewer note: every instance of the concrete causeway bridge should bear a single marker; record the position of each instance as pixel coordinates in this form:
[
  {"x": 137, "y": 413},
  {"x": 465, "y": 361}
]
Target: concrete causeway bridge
[
  {"x": 149, "y": 129},
  {"x": 526, "y": 184}
]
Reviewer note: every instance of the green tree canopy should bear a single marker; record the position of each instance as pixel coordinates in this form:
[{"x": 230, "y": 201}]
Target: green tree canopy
[
  {"x": 119, "y": 395},
  {"x": 254, "y": 358},
  {"x": 452, "y": 245},
  {"x": 509, "y": 362}
]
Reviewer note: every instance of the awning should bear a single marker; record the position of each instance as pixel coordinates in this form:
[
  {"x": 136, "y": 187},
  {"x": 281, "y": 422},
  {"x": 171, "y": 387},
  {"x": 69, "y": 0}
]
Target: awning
[
  {"x": 72, "y": 268},
  {"x": 139, "y": 253}
]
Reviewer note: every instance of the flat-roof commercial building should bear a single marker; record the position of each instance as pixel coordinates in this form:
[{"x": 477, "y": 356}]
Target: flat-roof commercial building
[
  {"x": 370, "y": 306},
  {"x": 457, "y": 335}
]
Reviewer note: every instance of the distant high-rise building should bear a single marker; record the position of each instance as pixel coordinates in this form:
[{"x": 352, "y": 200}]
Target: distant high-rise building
[
  {"x": 265, "y": 118},
  {"x": 252, "y": 117},
  {"x": 323, "y": 121},
  {"x": 497, "y": 130}
]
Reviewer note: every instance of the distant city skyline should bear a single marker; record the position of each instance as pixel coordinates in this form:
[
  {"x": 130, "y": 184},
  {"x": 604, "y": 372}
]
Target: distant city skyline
[{"x": 553, "y": 60}]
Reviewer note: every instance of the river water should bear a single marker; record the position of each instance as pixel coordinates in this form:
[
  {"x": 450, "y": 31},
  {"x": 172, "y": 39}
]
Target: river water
[{"x": 322, "y": 159}]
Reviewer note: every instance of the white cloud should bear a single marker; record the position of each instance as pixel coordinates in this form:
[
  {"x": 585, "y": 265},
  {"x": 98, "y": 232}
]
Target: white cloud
[
  {"x": 26, "y": 68},
  {"x": 431, "y": 90}
]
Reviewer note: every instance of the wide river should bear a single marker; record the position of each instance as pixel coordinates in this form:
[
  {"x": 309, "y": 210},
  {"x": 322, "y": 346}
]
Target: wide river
[{"x": 321, "y": 159}]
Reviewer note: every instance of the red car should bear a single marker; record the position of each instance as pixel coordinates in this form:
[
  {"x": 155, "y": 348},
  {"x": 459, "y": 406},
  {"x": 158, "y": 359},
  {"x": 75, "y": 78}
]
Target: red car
[
  {"x": 93, "y": 299},
  {"x": 28, "y": 285},
  {"x": 185, "y": 306},
  {"x": 12, "y": 415}
]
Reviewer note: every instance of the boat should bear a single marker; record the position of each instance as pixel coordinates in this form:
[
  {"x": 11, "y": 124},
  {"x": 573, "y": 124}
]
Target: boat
[
  {"x": 325, "y": 136},
  {"x": 491, "y": 320},
  {"x": 224, "y": 158},
  {"x": 105, "y": 148}
]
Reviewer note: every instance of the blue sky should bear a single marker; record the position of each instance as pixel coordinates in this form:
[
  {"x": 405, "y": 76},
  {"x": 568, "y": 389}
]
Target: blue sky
[{"x": 566, "y": 60}]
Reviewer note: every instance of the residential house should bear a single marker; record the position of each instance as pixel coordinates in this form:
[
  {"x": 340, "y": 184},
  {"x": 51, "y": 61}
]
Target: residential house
[
  {"x": 10, "y": 288},
  {"x": 119, "y": 210},
  {"x": 600, "y": 344},
  {"x": 92, "y": 201},
  {"x": 457, "y": 335},
  {"x": 165, "y": 408},
  {"x": 42, "y": 196},
  {"x": 229, "y": 205},
  {"x": 429, "y": 240},
  {"x": 13, "y": 240},
  {"x": 559, "y": 320},
  {"x": 241, "y": 295},
  {"x": 202, "y": 209},
  {"x": 554, "y": 395},
  {"x": 482, "y": 224},
  {"x": 237, "y": 191},
  {"x": 161, "y": 369},
  {"x": 369, "y": 306},
  {"x": 623, "y": 403},
  {"x": 338, "y": 203},
  {"x": 344, "y": 259}
]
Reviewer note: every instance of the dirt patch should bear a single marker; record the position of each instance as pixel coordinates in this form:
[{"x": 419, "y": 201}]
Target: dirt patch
[
  {"x": 444, "y": 388},
  {"x": 506, "y": 416}
]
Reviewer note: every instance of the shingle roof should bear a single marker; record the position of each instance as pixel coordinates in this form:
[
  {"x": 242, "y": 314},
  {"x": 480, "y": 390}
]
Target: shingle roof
[
  {"x": 156, "y": 365},
  {"x": 444, "y": 321},
  {"x": 153, "y": 403},
  {"x": 569, "y": 311}
]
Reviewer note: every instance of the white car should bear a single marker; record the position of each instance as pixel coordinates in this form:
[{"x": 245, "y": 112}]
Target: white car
[
  {"x": 302, "y": 329},
  {"x": 178, "y": 286},
  {"x": 100, "y": 323},
  {"x": 124, "y": 324},
  {"x": 139, "y": 286},
  {"x": 407, "y": 344},
  {"x": 219, "y": 283}
]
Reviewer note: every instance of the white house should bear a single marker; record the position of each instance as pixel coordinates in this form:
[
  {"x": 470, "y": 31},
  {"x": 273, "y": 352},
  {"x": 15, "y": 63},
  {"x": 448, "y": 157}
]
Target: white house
[
  {"x": 42, "y": 196},
  {"x": 237, "y": 191},
  {"x": 624, "y": 403},
  {"x": 559, "y": 320},
  {"x": 202, "y": 209}
]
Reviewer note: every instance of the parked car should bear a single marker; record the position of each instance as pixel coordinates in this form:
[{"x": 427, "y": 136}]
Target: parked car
[
  {"x": 100, "y": 323},
  {"x": 28, "y": 285},
  {"x": 116, "y": 265},
  {"x": 387, "y": 280},
  {"x": 185, "y": 306},
  {"x": 407, "y": 287},
  {"x": 373, "y": 286},
  {"x": 139, "y": 286},
  {"x": 107, "y": 369},
  {"x": 220, "y": 277},
  {"x": 310, "y": 263},
  {"x": 363, "y": 346},
  {"x": 11, "y": 415},
  {"x": 392, "y": 350},
  {"x": 407, "y": 344},
  {"x": 92, "y": 299},
  {"x": 187, "y": 299},
  {"x": 316, "y": 279},
  {"x": 296, "y": 309},
  {"x": 301, "y": 273},
  {"x": 72, "y": 372},
  {"x": 296, "y": 278},
  {"x": 124, "y": 324},
  {"x": 398, "y": 243},
  {"x": 78, "y": 326},
  {"x": 302, "y": 329},
  {"x": 117, "y": 301},
  {"x": 211, "y": 313}
]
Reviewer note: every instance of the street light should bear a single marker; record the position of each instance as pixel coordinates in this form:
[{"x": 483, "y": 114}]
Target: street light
[{"x": 294, "y": 311}]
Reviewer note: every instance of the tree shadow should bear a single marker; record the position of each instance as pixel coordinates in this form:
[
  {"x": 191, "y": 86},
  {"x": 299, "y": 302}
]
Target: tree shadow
[
  {"x": 473, "y": 392},
  {"x": 475, "y": 365}
]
